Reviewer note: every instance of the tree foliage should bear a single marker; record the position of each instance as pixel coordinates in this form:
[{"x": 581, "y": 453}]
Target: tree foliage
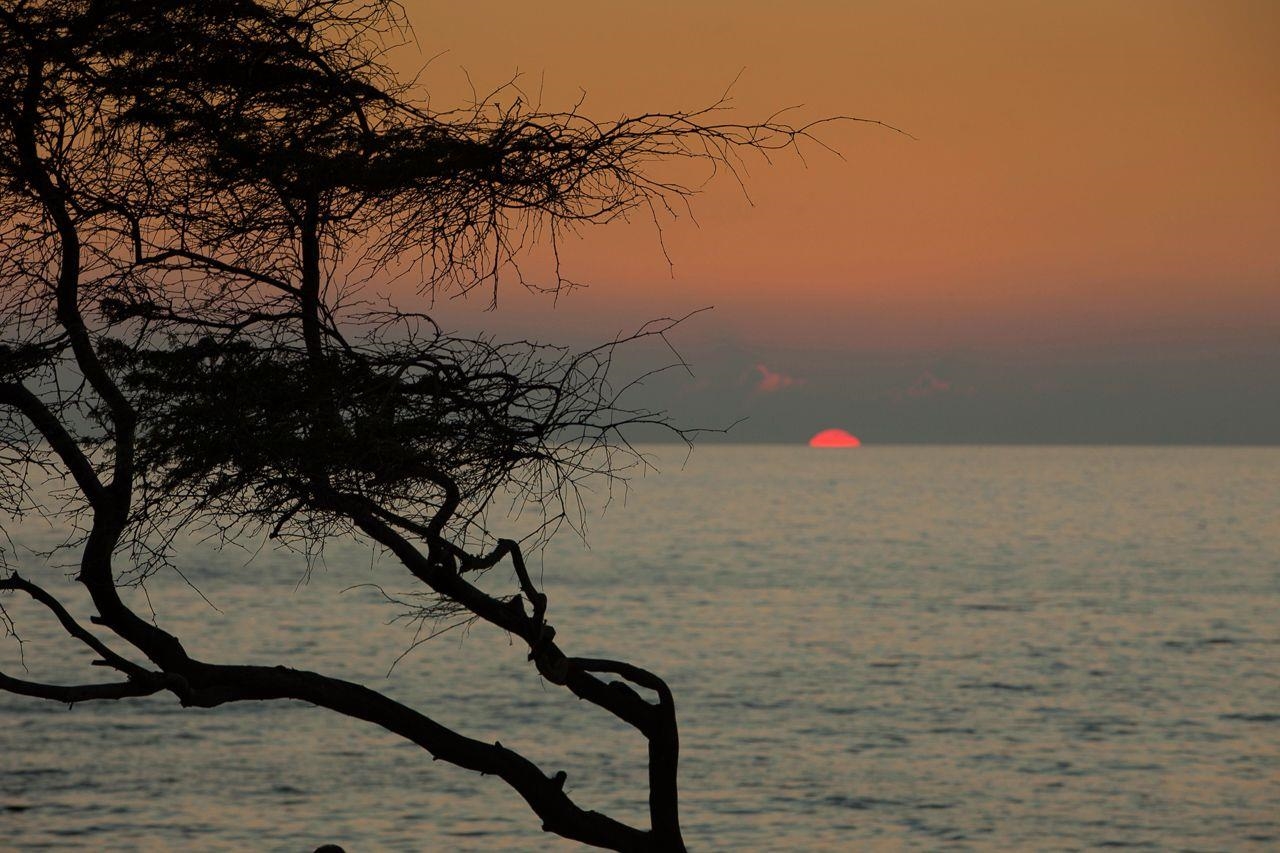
[{"x": 199, "y": 198}]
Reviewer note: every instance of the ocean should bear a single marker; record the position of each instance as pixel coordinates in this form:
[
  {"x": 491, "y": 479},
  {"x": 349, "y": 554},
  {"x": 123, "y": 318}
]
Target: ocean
[{"x": 932, "y": 648}]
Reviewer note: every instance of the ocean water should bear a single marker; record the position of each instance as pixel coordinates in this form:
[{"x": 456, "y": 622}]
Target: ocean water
[{"x": 960, "y": 648}]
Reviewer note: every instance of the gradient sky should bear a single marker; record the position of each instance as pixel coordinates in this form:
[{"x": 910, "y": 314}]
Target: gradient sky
[{"x": 1082, "y": 244}]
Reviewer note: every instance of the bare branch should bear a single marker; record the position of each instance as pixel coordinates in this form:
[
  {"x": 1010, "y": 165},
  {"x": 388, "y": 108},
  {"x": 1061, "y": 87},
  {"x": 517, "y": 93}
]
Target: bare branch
[
  {"x": 108, "y": 657},
  {"x": 71, "y": 694}
]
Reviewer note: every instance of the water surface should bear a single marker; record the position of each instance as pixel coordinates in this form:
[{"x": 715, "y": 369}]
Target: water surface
[{"x": 894, "y": 647}]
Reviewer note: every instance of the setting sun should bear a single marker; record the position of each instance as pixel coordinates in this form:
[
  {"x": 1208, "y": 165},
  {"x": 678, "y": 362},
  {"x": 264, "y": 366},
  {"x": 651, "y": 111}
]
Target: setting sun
[{"x": 834, "y": 438}]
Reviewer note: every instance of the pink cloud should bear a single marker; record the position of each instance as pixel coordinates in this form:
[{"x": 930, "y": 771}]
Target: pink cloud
[{"x": 771, "y": 381}]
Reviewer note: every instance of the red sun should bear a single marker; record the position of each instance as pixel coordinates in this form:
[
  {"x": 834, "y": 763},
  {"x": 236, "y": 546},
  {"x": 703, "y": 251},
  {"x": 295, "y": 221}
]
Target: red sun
[{"x": 834, "y": 438}]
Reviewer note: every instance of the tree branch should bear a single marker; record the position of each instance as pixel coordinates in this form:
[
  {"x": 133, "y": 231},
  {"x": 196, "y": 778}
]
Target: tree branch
[
  {"x": 109, "y": 658},
  {"x": 70, "y": 694},
  {"x": 22, "y": 399},
  {"x": 212, "y": 685}
]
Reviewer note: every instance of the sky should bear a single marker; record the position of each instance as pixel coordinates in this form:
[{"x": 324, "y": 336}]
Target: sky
[{"x": 1079, "y": 242}]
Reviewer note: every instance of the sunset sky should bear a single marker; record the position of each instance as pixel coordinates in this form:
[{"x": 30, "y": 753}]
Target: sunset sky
[{"x": 1081, "y": 244}]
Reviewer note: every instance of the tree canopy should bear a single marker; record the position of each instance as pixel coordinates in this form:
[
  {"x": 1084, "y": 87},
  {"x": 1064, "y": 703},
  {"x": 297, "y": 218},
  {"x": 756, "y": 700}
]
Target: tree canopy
[{"x": 200, "y": 199}]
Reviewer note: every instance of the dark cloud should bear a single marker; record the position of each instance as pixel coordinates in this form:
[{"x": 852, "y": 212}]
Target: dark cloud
[{"x": 928, "y": 385}]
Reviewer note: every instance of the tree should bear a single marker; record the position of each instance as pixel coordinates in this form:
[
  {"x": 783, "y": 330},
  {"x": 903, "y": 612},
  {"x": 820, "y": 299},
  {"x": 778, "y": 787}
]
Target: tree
[{"x": 197, "y": 198}]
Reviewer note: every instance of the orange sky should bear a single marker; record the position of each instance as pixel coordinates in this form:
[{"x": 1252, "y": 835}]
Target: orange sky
[
  {"x": 1083, "y": 171},
  {"x": 1081, "y": 245}
]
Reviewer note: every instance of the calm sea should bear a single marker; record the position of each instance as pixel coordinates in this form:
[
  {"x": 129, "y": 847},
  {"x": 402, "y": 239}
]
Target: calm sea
[{"x": 888, "y": 648}]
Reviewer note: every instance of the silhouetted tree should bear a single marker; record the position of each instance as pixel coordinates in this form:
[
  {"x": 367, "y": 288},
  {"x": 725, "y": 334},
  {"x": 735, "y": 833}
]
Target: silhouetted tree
[{"x": 195, "y": 195}]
